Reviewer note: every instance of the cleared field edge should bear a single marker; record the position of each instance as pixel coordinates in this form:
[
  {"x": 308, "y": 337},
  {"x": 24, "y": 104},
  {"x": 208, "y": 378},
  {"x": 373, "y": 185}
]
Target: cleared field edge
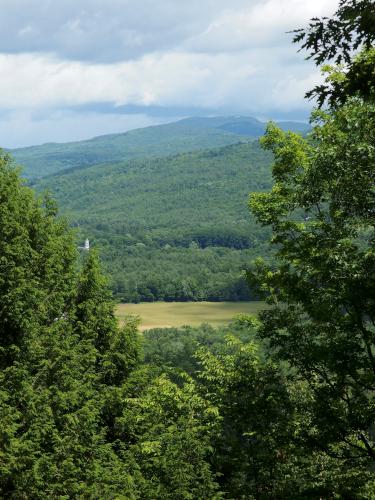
[{"x": 176, "y": 314}]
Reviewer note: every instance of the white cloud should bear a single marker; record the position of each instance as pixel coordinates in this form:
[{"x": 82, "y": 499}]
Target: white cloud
[
  {"x": 285, "y": 91},
  {"x": 258, "y": 24},
  {"x": 201, "y": 53},
  {"x": 166, "y": 79}
]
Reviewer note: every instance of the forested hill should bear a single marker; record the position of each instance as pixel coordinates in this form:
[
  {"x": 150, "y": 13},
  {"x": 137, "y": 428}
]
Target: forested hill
[
  {"x": 190, "y": 134},
  {"x": 173, "y": 228}
]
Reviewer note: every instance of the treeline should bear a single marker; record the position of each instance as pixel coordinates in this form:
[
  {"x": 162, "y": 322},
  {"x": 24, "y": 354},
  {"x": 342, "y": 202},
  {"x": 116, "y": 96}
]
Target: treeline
[
  {"x": 206, "y": 237},
  {"x": 144, "y": 274},
  {"x": 201, "y": 237},
  {"x": 148, "y": 142}
]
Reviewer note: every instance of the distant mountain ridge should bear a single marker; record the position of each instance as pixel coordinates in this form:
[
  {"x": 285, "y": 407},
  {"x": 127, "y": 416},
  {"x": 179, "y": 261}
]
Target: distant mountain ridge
[
  {"x": 189, "y": 134},
  {"x": 242, "y": 125}
]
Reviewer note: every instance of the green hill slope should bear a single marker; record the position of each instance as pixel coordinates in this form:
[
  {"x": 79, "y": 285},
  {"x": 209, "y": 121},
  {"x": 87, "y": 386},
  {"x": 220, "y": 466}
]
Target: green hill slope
[
  {"x": 163, "y": 140},
  {"x": 174, "y": 228},
  {"x": 190, "y": 134}
]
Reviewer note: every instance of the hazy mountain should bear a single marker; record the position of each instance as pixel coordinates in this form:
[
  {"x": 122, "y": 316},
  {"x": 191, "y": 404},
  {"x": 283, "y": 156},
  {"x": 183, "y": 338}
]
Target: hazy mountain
[{"x": 190, "y": 134}]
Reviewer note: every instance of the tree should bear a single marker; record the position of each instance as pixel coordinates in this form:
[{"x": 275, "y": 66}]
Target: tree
[
  {"x": 168, "y": 429},
  {"x": 321, "y": 210},
  {"x": 93, "y": 318},
  {"x": 52, "y": 346},
  {"x": 260, "y": 450},
  {"x": 255, "y": 412},
  {"x": 78, "y": 420},
  {"x": 36, "y": 261},
  {"x": 39, "y": 367},
  {"x": 338, "y": 40}
]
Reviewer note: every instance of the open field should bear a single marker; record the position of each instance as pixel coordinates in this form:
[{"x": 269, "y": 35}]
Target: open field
[{"x": 171, "y": 314}]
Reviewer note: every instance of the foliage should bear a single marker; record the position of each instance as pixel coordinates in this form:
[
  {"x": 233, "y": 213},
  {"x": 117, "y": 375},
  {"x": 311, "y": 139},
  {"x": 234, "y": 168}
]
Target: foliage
[
  {"x": 150, "y": 142},
  {"x": 338, "y": 39},
  {"x": 321, "y": 211},
  {"x": 45, "y": 368},
  {"x": 287, "y": 416},
  {"x": 83, "y": 417},
  {"x": 356, "y": 80},
  {"x": 258, "y": 440},
  {"x": 175, "y": 348},
  {"x": 68, "y": 372},
  {"x": 173, "y": 228},
  {"x": 248, "y": 448},
  {"x": 171, "y": 428}
]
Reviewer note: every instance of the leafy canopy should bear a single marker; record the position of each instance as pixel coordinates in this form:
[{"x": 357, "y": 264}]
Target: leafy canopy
[
  {"x": 338, "y": 39},
  {"x": 321, "y": 210}
]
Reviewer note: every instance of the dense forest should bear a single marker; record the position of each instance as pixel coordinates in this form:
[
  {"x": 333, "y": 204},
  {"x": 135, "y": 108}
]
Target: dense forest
[
  {"x": 270, "y": 407},
  {"x": 171, "y": 228},
  {"x": 171, "y": 222}
]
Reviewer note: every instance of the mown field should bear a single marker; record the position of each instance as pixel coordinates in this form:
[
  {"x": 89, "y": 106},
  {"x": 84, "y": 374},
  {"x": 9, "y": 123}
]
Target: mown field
[{"x": 175, "y": 314}]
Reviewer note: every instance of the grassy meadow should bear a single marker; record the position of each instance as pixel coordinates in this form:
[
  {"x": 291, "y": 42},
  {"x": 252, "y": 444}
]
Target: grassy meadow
[{"x": 175, "y": 314}]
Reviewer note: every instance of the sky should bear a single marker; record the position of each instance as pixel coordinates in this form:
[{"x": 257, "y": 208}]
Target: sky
[{"x": 74, "y": 69}]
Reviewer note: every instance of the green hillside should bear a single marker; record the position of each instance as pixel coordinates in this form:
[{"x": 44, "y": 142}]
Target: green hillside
[
  {"x": 190, "y": 134},
  {"x": 161, "y": 140},
  {"x": 174, "y": 228}
]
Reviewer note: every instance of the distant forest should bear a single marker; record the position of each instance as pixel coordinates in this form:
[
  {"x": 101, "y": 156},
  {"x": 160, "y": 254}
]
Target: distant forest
[
  {"x": 165, "y": 205},
  {"x": 175, "y": 228}
]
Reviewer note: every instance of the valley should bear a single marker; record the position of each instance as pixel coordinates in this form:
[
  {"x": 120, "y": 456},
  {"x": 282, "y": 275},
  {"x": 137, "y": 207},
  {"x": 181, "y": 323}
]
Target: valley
[
  {"x": 172, "y": 228},
  {"x": 187, "y": 310},
  {"x": 165, "y": 206},
  {"x": 178, "y": 314}
]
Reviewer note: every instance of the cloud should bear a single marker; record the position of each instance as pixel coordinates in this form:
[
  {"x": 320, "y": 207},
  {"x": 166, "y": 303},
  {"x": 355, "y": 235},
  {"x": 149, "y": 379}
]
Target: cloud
[
  {"x": 217, "y": 80},
  {"x": 115, "y": 30},
  {"x": 102, "y": 30},
  {"x": 258, "y": 24},
  {"x": 149, "y": 54}
]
